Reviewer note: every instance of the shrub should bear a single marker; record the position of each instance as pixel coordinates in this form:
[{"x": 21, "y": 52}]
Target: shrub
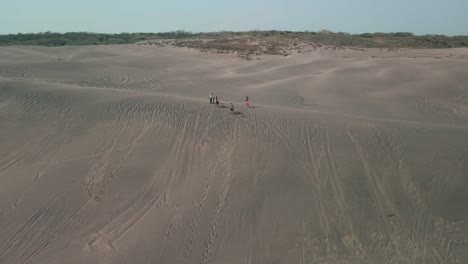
[
  {"x": 367, "y": 35},
  {"x": 403, "y": 34}
]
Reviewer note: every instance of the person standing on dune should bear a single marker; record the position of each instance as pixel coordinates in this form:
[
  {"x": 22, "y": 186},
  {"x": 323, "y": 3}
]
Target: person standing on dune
[
  {"x": 232, "y": 108},
  {"x": 216, "y": 101},
  {"x": 211, "y": 97}
]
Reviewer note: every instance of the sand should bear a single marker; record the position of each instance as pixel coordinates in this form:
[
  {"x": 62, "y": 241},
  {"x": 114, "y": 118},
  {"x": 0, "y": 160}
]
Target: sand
[{"x": 113, "y": 154}]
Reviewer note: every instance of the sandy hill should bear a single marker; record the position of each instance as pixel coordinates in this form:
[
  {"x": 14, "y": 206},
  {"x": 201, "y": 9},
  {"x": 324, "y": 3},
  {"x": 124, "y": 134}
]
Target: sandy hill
[{"x": 113, "y": 154}]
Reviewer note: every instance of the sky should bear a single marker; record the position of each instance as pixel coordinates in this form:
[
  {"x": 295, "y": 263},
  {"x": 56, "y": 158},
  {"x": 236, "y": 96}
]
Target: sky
[{"x": 447, "y": 17}]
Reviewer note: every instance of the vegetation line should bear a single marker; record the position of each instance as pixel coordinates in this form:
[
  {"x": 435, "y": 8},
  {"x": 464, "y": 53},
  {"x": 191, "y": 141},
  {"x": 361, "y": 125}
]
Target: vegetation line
[{"x": 366, "y": 40}]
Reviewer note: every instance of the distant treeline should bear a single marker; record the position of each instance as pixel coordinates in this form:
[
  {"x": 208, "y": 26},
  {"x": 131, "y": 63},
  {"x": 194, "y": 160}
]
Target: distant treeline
[{"x": 366, "y": 40}]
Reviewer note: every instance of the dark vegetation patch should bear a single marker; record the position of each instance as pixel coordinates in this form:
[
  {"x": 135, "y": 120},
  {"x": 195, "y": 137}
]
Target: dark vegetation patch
[{"x": 247, "y": 44}]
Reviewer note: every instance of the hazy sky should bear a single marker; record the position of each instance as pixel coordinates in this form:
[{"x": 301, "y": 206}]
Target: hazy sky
[{"x": 354, "y": 16}]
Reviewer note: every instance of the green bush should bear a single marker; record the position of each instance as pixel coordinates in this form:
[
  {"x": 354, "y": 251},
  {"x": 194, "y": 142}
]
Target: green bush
[
  {"x": 367, "y": 35},
  {"x": 403, "y": 34}
]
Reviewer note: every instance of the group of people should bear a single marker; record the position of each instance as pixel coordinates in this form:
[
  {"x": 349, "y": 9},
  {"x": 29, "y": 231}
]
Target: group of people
[{"x": 214, "y": 100}]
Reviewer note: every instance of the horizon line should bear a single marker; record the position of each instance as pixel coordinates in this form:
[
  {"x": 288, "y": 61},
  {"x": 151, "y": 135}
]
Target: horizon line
[{"x": 231, "y": 31}]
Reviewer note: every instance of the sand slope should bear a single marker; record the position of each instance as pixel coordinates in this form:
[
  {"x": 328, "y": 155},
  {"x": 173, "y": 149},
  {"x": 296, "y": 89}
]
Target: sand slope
[{"x": 112, "y": 154}]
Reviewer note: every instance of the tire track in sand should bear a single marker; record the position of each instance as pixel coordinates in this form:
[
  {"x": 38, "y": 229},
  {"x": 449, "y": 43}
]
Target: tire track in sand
[
  {"x": 379, "y": 197},
  {"x": 345, "y": 225},
  {"x": 33, "y": 148},
  {"x": 175, "y": 171},
  {"x": 311, "y": 163},
  {"x": 200, "y": 205},
  {"x": 422, "y": 233},
  {"x": 110, "y": 234},
  {"x": 24, "y": 236},
  {"x": 226, "y": 163},
  {"x": 102, "y": 171},
  {"x": 19, "y": 199}
]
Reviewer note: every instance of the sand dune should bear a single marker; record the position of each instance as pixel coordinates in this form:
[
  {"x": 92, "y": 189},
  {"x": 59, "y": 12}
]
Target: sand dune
[{"x": 112, "y": 154}]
